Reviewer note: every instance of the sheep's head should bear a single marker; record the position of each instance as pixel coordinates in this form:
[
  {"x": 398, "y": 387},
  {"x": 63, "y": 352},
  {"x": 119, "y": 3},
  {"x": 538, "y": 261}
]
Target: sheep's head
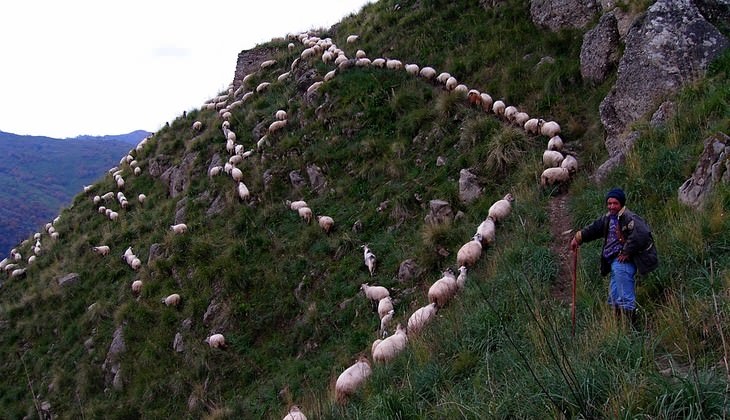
[{"x": 509, "y": 197}]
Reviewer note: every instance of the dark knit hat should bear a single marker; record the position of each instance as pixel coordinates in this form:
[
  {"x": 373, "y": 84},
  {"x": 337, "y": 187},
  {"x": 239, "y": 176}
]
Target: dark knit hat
[{"x": 618, "y": 194}]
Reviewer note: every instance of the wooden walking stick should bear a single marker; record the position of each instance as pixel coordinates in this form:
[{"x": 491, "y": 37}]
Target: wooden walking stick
[{"x": 575, "y": 283}]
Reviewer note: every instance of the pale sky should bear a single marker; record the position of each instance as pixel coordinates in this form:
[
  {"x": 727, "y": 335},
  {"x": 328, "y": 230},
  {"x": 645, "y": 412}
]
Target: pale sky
[{"x": 84, "y": 67}]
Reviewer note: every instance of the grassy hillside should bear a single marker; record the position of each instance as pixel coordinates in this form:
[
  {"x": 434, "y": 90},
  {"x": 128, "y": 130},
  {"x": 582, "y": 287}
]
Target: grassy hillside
[
  {"x": 40, "y": 175},
  {"x": 286, "y": 295}
]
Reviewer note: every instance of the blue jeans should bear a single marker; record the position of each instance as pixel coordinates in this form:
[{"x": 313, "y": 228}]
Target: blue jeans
[{"x": 621, "y": 287}]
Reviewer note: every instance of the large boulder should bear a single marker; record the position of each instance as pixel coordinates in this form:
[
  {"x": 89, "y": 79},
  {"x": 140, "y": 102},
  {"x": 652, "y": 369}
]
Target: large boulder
[
  {"x": 667, "y": 48},
  {"x": 712, "y": 169},
  {"x": 599, "y": 52},
  {"x": 469, "y": 188},
  {"x": 562, "y": 14}
]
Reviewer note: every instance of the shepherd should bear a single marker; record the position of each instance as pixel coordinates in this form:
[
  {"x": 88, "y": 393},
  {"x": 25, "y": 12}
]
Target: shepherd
[{"x": 628, "y": 248}]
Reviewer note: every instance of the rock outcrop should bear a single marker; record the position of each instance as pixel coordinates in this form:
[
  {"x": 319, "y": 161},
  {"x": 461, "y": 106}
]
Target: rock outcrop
[
  {"x": 713, "y": 168},
  {"x": 560, "y": 14},
  {"x": 600, "y": 50}
]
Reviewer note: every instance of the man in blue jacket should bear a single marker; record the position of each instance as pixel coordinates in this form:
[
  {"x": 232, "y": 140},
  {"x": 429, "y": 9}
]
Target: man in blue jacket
[{"x": 628, "y": 248}]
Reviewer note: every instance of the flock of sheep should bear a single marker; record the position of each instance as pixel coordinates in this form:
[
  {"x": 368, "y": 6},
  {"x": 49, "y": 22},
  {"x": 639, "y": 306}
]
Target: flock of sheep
[{"x": 559, "y": 167}]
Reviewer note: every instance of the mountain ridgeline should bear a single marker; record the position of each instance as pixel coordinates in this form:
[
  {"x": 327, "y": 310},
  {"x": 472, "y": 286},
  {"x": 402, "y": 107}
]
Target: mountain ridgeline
[
  {"x": 383, "y": 153},
  {"x": 40, "y": 175}
]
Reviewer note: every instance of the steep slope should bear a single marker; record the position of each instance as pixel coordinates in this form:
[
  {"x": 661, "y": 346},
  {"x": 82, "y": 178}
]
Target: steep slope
[{"x": 371, "y": 148}]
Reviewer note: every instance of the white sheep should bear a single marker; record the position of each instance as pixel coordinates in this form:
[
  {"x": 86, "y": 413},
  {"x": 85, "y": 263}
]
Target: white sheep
[
  {"x": 101, "y": 249},
  {"x": 498, "y": 108},
  {"x": 570, "y": 163},
  {"x": 487, "y": 231},
  {"x": 385, "y": 305},
  {"x": 296, "y": 205},
  {"x": 461, "y": 278},
  {"x": 379, "y": 62},
  {"x": 387, "y": 349},
  {"x": 216, "y": 341},
  {"x": 375, "y": 293},
  {"x": 427, "y": 73},
  {"x": 32, "y": 259},
  {"x": 179, "y": 228},
  {"x": 136, "y": 287},
  {"x": 532, "y": 126},
  {"x": 280, "y": 78},
  {"x": 486, "y": 102},
  {"x": 551, "y": 176},
  {"x": 267, "y": 63},
  {"x": 141, "y": 198},
  {"x": 461, "y": 89},
  {"x": 352, "y": 38},
  {"x": 510, "y": 112},
  {"x": 550, "y": 129},
  {"x": 262, "y": 87},
  {"x": 552, "y": 158},
  {"x": 135, "y": 263},
  {"x": 295, "y": 413},
  {"x": 172, "y": 300},
  {"x": 384, "y": 322},
  {"x": 451, "y": 83},
  {"x": 393, "y": 64},
  {"x": 360, "y": 54},
  {"x": 215, "y": 170},
  {"x": 555, "y": 143},
  {"x": 330, "y": 75},
  {"x": 443, "y": 77},
  {"x": 305, "y": 213},
  {"x": 280, "y": 114},
  {"x": 351, "y": 379},
  {"x": 326, "y": 223},
  {"x": 277, "y": 125},
  {"x": 421, "y": 317},
  {"x": 88, "y": 188},
  {"x": 470, "y": 252},
  {"x": 314, "y": 86},
  {"x": 521, "y": 118},
  {"x": 501, "y": 208},
  {"x": 369, "y": 259},
  {"x": 474, "y": 97},
  {"x": 443, "y": 289},
  {"x": 412, "y": 69},
  {"x": 197, "y": 125},
  {"x": 243, "y": 192},
  {"x": 236, "y": 174},
  {"x": 137, "y": 171},
  {"x": 17, "y": 272}
]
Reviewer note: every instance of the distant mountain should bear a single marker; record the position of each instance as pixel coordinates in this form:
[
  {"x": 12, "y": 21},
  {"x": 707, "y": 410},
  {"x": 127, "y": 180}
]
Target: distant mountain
[{"x": 39, "y": 175}]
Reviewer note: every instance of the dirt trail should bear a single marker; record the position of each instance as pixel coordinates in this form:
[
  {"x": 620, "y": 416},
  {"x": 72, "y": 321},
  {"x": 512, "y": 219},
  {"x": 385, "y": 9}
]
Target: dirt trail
[{"x": 561, "y": 229}]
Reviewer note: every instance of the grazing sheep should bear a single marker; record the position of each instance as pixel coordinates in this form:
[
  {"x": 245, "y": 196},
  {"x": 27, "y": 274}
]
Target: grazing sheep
[
  {"x": 277, "y": 125},
  {"x": 369, "y": 259},
  {"x": 555, "y": 143},
  {"x": 236, "y": 174},
  {"x": 360, "y": 54},
  {"x": 474, "y": 97},
  {"x": 305, "y": 213},
  {"x": 101, "y": 250},
  {"x": 510, "y": 112},
  {"x": 141, "y": 198},
  {"x": 521, "y": 118},
  {"x": 550, "y": 129},
  {"x": 330, "y": 75},
  {"x": 551, "y": 176},
  {"x": 386, "y": 350},
  {"x": 179, "y": 228},
  {"x": 412, "y": 69},
  {"x": 296, "y": 205},
  {"x": 461, "y": 279},
  {"x": 136, "y": 287},
  {"x": 487, "y": 231},
  {"x": 570, "y": 163},
  {"x": 385, "y": 305},
  {"x": 243, "y": 192},
  {"x": 352, "y": 38},
  {"x": 501, "y": 208},
  {"x": 88, "y": 188},
  {"x": 461, "y": 89},
  {"x": 281, "y": 77},
  {"x": 135, "y": 263},
  {"x": 280, "y": 114},
  {"x": 137, "y": 171},
  {"x": 295, "y": 413},
  {"x": 427, "y": 73},
  {"x": 532, "y": 126},
  {"x": 172, "y": 300},
  {"x": 379, "y": 62},
  {"x": 486, "y": 102},
  {"x": 32, "y": 259},
  {"x": 443, "y": 289},
  {"x": 551, "y": 158},
  {"x": 216, "y": 341},
  {"x": 267, "y": 63},
  {"x": 384, "y": 321},
  {"x": 443, "y": 77},
  {"x": 451, "y": 83},
  {"x": 470, "y": 252},
  {"x": 314, "y": 86},
  {"x": 498, "y": 108},
  {"x": 421, "y": 317},
  {"x": 197, "y": 125},
  {"x": 326, "y": 223},
  {"x": 393, "y": 64},
  {"x": 351, "y": 379},
  {"x": 375, "y": 293},
  {"x": 17, "y": 272}
]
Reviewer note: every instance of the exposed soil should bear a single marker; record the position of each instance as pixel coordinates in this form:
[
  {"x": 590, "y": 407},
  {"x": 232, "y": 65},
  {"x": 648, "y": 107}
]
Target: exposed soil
[{"x": 561, "y": 229}]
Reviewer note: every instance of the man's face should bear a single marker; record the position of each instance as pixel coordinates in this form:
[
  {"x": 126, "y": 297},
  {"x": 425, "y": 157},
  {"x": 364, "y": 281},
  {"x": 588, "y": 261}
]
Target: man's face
[{"x": 613, "y": 205}]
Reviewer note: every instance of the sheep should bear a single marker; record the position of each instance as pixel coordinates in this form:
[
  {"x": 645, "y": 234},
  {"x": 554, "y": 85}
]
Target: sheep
[
  {"x": 296, "y": 205},
  {"x": 374, "y": 293},
  {"x": 113, "y": 215},
  {"x": 421, "y": 317},
  {"x": 487, "y": 231},
  {"x": 470, "y": 252},
  {"x": 216, "y": 341},
  {"x": 295, "y": 414},
  {"x": 554, "y": 175},
  {"x": 369, "y": 259},
  {"x": 360, "y": 54},
  {"x": 179, "y": 228},
  {"x": 277, "y": 125},
  {"x": 570, "y": 163},
  {"x": 461, "y": 89},
  {"x": 282, "y": 77},
  {"x": 498, "y": 108},
  {"x": 243, "y": 192},
  {"x": 236, "y": 174},
  {"x": 461, "y": 278},
  {"x": 267, "y": 63},
  {"x": 474, "y": 97},
  {"x": 17, "y": 272},
  {"x": 486, "y": 102},
  {"x": 379, "y": 62},
  {"x": 427, "y": 73},
  {"x": 136, "y": 287},
  {"x": 555, "y": 143},
  {"x": 32, "y": 259},
  {"x": 532, "y": 126},
  {"x": 88, "y": 188},
  {"x": 197, "y": 125},
  {"x": 330, "y": 75},
  {"x": 384, "y": 321},
  {"x": 352, "y": 38},
  {"x": 550, "y": 129},
  {"x": 280, "y": 114},
  {"x": 314, "y": 86},
  {"x": 385, "y": 305},
  {"x": 305, "y": 213},
  {"x": 501, "y": 208},
  {"x": 262, "y": 87},
  {"x": 135, "y": 263},
  {"x": 412, "y": 69},
  {"x": 510, "y": 112},
  {"x": 137, "y": 171},
  {"x": 551, "y": 158},
  {"x": 361, "y": 62},
  {"x": 386, "y": 350},
  {"x": 443, "y": 77},
  {"x": 101, "y": 250},
  {"x": 451, "y": 83},
  {"x": 443, "y": 289},
  {"x": 326, "y": 223},
  {"x": 521, "y": 118},
  {"x": 351, "y": 379},
  {"x": 235, "y": 159},
  {"x": 393, "y": 64},
  {"x": 172, "y": 300},
  {"x": 141, "y": 198}
]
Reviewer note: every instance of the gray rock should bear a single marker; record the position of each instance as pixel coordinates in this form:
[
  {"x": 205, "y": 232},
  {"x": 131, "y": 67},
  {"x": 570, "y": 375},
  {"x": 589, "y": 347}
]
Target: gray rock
[
  {"x": 469, "y": 189},
  {"x": 178, "y": 344},
  {"x": 316, "y": 179},
  {"x": 599, "y": 52},
  {"x": 217, "y": 206},
  {"x": 112, "y": 364},
  {"x": 712, "y": 169},
  {"x": 562, "y": 14},
  {"x": 665, "y": 111},
  {"x": 439, "y": 212},
  {"x": 180, "y": 209},
  {"x": 624, "y": 16},
  {"x": 296, "y": 179},
  {"x": 408, "y": 270},
  {"x": 68, "y": 280},
  {"x": 156, "y": 252},
  {"x": 177, "y": 178}
]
